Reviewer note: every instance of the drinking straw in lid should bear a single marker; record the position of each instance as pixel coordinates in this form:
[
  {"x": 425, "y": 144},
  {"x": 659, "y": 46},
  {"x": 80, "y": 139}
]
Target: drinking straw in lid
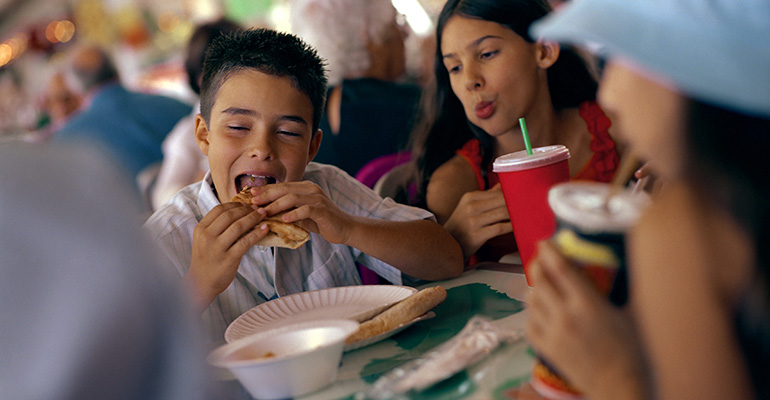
[
  {"x": 628, "y": 164},
  {"x": 526, "y": 136}
]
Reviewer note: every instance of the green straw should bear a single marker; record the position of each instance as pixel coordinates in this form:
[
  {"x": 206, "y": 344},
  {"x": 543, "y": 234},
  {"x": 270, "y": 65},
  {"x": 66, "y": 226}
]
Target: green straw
[{"x": 526, "y": 136}]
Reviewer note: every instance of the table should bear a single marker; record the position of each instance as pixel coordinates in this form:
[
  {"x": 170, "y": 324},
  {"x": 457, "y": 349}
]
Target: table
[{"x": 494, "y": 290}]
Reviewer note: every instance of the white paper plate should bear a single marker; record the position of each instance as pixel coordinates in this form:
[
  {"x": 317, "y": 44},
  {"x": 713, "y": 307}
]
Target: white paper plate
[{"x": 349, "y": 302}]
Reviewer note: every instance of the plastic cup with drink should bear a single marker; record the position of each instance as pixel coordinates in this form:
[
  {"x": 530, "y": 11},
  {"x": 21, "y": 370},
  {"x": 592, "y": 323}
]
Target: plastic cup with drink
[
  {"x": 591, "y": 222},
  {"x": 525, "y": 180}
]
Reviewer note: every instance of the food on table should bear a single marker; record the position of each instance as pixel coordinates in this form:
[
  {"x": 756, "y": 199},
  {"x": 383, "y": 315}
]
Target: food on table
[{"x": 400, "y": 313}]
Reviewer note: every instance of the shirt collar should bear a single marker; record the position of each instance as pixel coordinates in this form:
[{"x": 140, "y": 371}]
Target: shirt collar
[{"x": 207, "y": 199}]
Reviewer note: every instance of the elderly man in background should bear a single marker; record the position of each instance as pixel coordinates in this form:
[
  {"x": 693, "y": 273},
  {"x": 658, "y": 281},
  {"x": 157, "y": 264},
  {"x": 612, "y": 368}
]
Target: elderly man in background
[{"x": 370, "y": 108}]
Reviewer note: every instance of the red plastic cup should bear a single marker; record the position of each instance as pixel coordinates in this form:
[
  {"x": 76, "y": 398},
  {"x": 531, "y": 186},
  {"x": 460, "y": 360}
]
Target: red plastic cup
[{"x": 525, "y": 180}]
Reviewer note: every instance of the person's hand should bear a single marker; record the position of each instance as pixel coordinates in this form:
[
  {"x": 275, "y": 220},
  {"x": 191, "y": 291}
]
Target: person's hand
[
  {"x": 478, "y": 217},
  {"x": 646, "y": 180},
  {"x": 592, "y": 343},
  {"x": 220, "y": 240},
  {"x": 307, "y": 205}
]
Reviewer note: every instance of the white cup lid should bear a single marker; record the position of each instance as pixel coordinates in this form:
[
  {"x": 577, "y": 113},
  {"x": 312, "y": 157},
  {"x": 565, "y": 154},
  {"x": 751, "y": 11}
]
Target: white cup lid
[
  {"x": 520, "y": 160},
  {"x": 585, "y": 205}
]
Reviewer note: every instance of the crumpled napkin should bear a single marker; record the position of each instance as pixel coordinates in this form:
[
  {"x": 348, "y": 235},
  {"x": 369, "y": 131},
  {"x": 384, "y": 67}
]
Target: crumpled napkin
[{"x": 477, "y": 339}]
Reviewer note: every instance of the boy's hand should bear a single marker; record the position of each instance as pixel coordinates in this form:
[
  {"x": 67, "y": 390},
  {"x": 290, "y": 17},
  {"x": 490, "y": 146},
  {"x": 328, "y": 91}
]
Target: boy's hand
[
  {"x": 307, "y": 206},
  {"x": 220, "y": 240}
]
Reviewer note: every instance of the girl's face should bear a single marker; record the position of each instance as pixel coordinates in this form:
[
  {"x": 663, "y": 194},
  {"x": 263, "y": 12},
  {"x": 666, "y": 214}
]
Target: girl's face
[
  {"x": 648, "y": 113},
  {"x": 493, "y": 71}
]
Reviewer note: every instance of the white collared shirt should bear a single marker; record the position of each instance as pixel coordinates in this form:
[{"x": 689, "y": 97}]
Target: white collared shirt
[{"x": 267, "y": 273}]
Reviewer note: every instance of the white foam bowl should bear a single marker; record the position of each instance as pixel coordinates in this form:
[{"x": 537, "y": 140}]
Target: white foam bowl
[{"x": 288, "y": 361}]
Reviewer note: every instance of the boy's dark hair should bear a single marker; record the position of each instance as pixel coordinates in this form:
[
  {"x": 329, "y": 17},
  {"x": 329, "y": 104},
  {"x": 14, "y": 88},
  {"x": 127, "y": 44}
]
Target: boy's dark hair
[{"x": 269, "y": 52}]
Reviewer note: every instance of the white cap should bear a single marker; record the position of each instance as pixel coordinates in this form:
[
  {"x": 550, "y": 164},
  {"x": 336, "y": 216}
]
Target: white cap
[{"x": 715, "y": 51}]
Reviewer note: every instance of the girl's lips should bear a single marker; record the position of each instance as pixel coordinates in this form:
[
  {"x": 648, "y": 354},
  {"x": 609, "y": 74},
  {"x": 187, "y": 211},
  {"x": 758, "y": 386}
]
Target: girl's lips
[{"x": 485, "y": 109}]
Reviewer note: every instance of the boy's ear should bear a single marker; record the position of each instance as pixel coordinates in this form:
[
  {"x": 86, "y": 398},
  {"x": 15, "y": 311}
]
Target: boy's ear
[
  {"x": 315, "y": 144},
  {"x": 202, "y": 134},
  {"x": 547, "y": 52}
]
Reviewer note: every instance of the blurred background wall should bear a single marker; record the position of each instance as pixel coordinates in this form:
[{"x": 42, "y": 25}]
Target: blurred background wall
[{"x": 146, "y": 37}]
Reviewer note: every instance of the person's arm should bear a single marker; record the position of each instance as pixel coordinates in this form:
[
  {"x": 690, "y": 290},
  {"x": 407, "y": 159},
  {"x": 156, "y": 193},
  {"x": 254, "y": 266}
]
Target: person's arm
[
  {"x": 685, "y": 314},
  {"x": 422, "y": 249},
  {"x": 472, "y": 216},
  {"x": 592, "y": 343},
  {"x": 447, "y": 185}
]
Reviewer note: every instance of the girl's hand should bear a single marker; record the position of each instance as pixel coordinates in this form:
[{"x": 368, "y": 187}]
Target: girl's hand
[{"x": 478, "y": 217}]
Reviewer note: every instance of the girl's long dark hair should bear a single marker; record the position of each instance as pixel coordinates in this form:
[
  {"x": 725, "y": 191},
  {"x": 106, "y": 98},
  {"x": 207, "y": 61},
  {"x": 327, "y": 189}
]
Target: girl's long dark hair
[
  {"x": 729, "y": 162},
  {"x": 442, "y": 127}
]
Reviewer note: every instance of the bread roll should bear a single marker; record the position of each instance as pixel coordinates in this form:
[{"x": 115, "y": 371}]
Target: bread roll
[{"x": 400, "y": 313}]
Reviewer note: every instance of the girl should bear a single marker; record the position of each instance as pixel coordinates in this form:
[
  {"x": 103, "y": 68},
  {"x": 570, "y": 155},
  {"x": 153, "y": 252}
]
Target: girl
[{"x": 488, "y": 74}]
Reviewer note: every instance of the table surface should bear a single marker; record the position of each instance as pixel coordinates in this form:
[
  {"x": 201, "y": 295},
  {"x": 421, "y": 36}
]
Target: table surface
[{"x": 495, "y": 291}]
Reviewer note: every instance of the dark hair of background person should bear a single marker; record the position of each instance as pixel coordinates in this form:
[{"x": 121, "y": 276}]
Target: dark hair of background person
[
  {"x": 734, "y": 171},
  {"x": 196, "y": 48},
  {"x": 267, "y": 51},
  {"x": 443, "y": 127},
  {"x": 94, "y": 67}
]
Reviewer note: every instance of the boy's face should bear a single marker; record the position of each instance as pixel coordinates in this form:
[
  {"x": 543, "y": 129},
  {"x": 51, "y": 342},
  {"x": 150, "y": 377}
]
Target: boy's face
[{"x": 260, "y": 126}]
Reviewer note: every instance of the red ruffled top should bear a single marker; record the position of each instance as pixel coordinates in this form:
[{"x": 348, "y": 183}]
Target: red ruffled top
[{"x": 601, "y": 167}]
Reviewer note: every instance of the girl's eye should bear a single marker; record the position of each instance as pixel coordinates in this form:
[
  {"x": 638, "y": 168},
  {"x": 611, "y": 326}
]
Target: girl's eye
[
  {"x": 489, "y": 54},
  {"x": 454, "y": 69}
]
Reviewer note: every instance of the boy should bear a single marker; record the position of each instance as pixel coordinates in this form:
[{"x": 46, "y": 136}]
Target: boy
[{"x": 262, "y": 99}]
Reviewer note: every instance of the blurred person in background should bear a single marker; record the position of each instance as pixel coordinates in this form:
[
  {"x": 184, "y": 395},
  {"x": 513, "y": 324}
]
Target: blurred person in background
[
  {"x": 58, "y": 102},
  {"x": 693, "y": 99},
  {"x": 86, "y": 310},
  {"x": 17, "y": 112},
  {"x": 130, "y": 126},
  {"x": 369, "y": 109},
  {"x": 183, "y": 162}
]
